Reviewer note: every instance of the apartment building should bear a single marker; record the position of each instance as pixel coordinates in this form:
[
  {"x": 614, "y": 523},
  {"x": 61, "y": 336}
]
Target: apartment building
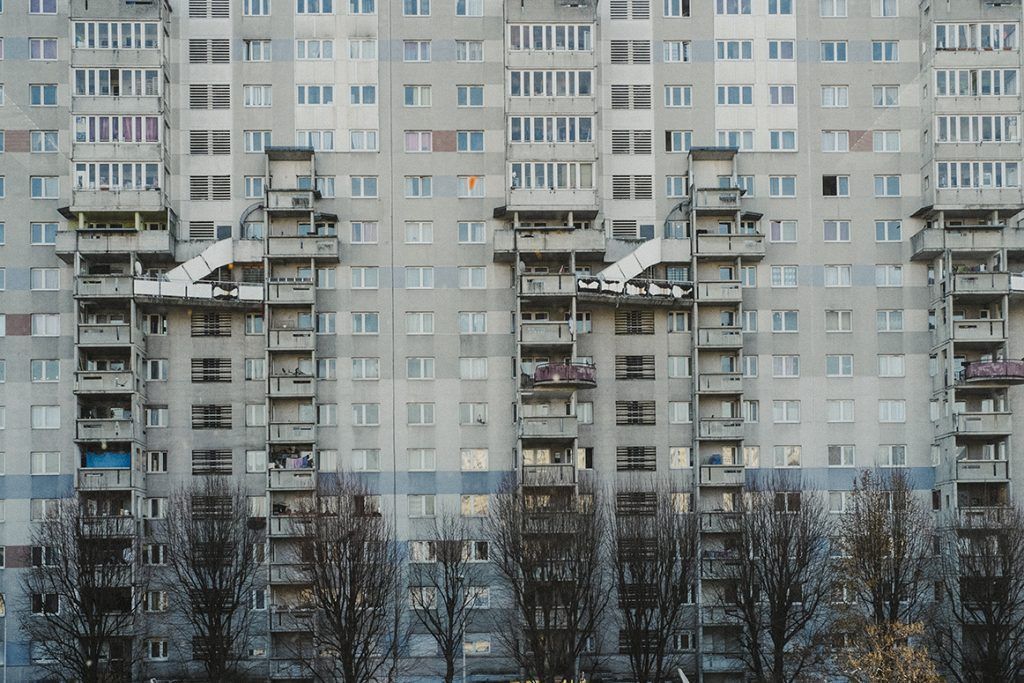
[{"x": 435, "y": 242}]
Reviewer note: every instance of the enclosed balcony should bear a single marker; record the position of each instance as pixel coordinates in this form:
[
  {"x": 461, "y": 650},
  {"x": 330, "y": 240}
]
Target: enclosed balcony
[
  {"x": 549, "y": 475},
  {"x": 996, "y": 372},
  {"x": 549, "y": 428},
  {"x": 714, "y": 245},
  {"x": 304, "y": 246},
  {"x": 568, "y": 376}
]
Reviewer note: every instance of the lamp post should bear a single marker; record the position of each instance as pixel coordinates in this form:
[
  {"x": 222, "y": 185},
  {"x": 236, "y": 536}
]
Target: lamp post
[{"x": 3, "y": 615}]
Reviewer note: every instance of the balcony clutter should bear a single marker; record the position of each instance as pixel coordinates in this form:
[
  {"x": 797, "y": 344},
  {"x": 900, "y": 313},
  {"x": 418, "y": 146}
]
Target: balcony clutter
[{"x": 642, "y": 288}]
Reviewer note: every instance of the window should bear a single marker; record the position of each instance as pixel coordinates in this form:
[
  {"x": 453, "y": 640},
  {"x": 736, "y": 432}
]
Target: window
[
  {"x": 253, "y": 324},
  {"x": 362, "y": 6},
  {"x": 885, "y": 95},
  {"x": 473, "y": 185},
  {"x": 314, "y": 7},
  {"x": 419, "y": 322},
  {"x": 474, "y": 505},
  {"x": 472, "y": 322},
  {"x": 44, "y": 279},
  {"x": 44, "y": 463},
  {"x": 678, "y": 96},
  {"x": 315, "y": 49},
  {"x": 750, "y": 366},
  {"x": 782, "y": 231},
  {"x": 257, "y": 95},
  {"x": 892, "y": 365},
  {"x": 833, "y": 50},
  {"x": 678, "y": 322},
  {"x": 365, "y": 323},
  {"x": 678, "y": 140},
  {"x": 977, "y": 174},
  {"x": 785, "y": 321},
  {"x": 838, "y": 275},
  {"x": 472, "y": 413},
  {"x": 732, "y": 6},
  {"x": 837, "y": 231},
  {"x": 44, "y": 187},
  {"x": 364, "y": 186},
  {"x": 786, "y": 456},
  {"x": 256, "y": 8},
  {"x": 890, "y": 410},
  {"x": 45, "y": 370},
  {"x": 890, "y": 320},
  {"x": 472, "y": 232},
  {"x": 782, "y": 140},
  {"x": 416, "y": 51},
  {"x": 366, "y": 414},
  {"x": 889, "y": 275},
  {"x": 780, "y": 6},
  {"x": 781, "y": 94},
  {"x": 419, "y": 277},
  {"x": 835, "y": 186},
  {"x": 419, "y": 187},
  {"x": 416, "y": 8},
  {"x": 473, "y": 368},
  {"x": 835, "y": 96},
  {"x": 885, "y": 51},
  {"x": 679, "y": 412},
  {"x": 359, "y": 49},
  {"x": 472, "y": 277},
  {"x": 785, "y": 366},
  {"x": 315, "y": 94},
  {"x": 419, "y": 368},
  {"x": 366, "y": 460},
  {"x": 835, "y": 141},
  {"x": 325, "y": 323},
  {"x": 884, "y": 8},
  {"x": 156, "y": 649},
  {"x": 677, "y": 51},
  {"x": 363, "y": 94},
  {"x": 470, "y": 141},
  {"x": 365, "y": 277},
  {"x": 839, "y": 365},
  {"x": 785, "y": 412},
  {"x": 784, "y": 276},
  {"x": 156, "y": 416},
  {"x": 45, "y": 417},
  {"x": 254, "y": 186},
  {"x": 255, "y": 50},
  {"x": 469, "y": 8},
  {"x": 832, "y": 8},
  {"x": 45, "y": 324},
  {"x": 365, "y": 232},
  {"x": 256, "y": 141},
  {"x": 735, "y": 94},
  {"x": 887, "y": 186},
  {"x": 421, "y": 460},
  {"x": 892, "y": 455},
  {"x": 469, "y": 50},
  {"x": 676, "y": 8},
  {"x": 782, "y": 186},
  {"x": 886, "y": 140},
  {"x": 470, "y": 95},
  {"x": 781, "y": 50}
]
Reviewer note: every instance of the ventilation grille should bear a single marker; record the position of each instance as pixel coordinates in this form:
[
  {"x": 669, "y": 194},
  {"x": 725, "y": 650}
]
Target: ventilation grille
[
  {"x": 632, "y": 187},
  {"x": 634, "y": 322},
  {"x": 632, "y": 367},
  {"x": 209, "y": 9},
  {"x": 211, "y": 325},
  {"x": 200, "y": 230},
  {"x": 631, "y": 141},
  {"x": 636, "y": 503},
  {"x": 209, "y": 188},
  {"x": 624, "y": 9},
  {"x": 636, "y": 458},
  {"x": 209, "y": 142},
  {"x": 631, "y": 52},
  {"x": 210, "y": 462},
  {"x": 209, "y": 51},
  {"x": 211, "y": 417},
  {"x": 631, "y": 96},
  {"x": 209, "y": 96},
  {"x": 635, "y": 412},
  {"x": 624, "y": 229},
  {"x": 211, "y": 369}
]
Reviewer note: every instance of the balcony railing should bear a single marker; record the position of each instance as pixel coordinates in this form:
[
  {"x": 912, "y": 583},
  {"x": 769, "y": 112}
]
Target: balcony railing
[
  {"x": 293, "y": 432},
  {"x": 104, "y": 286},
  {"x": 982, "y": 470},
  {"x": 727, "y": 291},
  {"x": 982, "y": 423},
  {"x": 560, "y": 284},
  {"x": 717, "y": 199},
  {"x": 106, "y": 429},
  {"x": 291, "y": 385},
  {"x": 103, "y": 479},
  {"x": 995, "y": 371},
  {"x": 982, "y": 330},
  {"x": 549, "y": 475},
  {"x": 104, "y": 334},
  {"x": 307, "y": 246},
  {"x": 104, "y": 382},
  {"x": 578, "y": 375},
  {"x": 720, "y": 382},
  {"x": 290, "y": 291},
  {"x": 726, "y": 428},
  {"x": 292, "y": 479},
  {"x": 720, "y": 337},
  {"x": 564, "y": 427},
  {"x": 289, "y": 201},
  {"x": 292, "y": 340},
  {"x": 722, "y": 475},
  {"x": 750, "y": 245},
  {"x": 545, "y": 332},
  {"x": 980, "y": 283}
]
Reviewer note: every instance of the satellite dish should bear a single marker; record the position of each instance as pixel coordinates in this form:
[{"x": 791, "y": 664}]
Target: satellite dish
[{"x": 138, "y": 268}]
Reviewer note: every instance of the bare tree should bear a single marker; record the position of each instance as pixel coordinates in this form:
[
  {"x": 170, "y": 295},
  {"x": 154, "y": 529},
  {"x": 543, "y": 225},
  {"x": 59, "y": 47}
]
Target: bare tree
[
  {"x": 778, "y": 591},
  {"x": 885, "y": 542},
  {"x": 886, "y": 655},
  {"x": 980, "y": 620},
  {"x": 655, "y": 555},
  {"x": 550, "y": 550},
  {"x": 354, "y": 577},
  {"x": 215, "y": 559},
  {"x": 444, "y": 592},
  {"x": 85, "y": 590}
]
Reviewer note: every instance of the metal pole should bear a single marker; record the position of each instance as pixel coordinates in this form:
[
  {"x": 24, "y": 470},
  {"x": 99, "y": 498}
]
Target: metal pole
[{"x": 5, "y": 645}]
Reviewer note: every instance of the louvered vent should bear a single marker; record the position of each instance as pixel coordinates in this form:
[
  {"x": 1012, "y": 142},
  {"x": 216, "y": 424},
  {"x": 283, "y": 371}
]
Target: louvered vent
[
  {"x": 632, "y": 367},
  {"x": 210, "y": 462},
  {"x": 200, "y": 230},
  {"x": 634, "y": 322},
  {"x": 209, "y": 96},
  {"x": 211, "y": 417},
  {"x": 211, "y": 369},
  {"x": 636, "y": 458},
  {"x": 635, "y": 412},
  {"x": 211, "y": 325},
  {"x": 624, "y": 229}
]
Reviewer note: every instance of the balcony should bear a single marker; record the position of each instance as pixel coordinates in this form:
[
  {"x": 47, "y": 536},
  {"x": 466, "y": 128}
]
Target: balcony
[
  {"x": 291, "y": 340},
  {"x": 287, "y": 620},
  {"x": 712, "y": 245},
  {"x": 548, "y": 242},
  {"x": 720, "y": 383},
  {"x": 561, "y": 200},
  {"x": 105, "y": 429},
  {"x": 102, "y": 479},
  {"x": 290, "y": 291},
  {"x": 546, "y": 332},
  {"x": 110, "y": 525},
  {"x": 569, "y": 376},
  {"x": 285, "y": 526},
  {"x": 982, "y": 424},
  {"x": 978, "y": 285},
  {"x": 104, "y": 286},
  {"x": 292, "y": 432},
  {"x": 297, "y": 480},
  {"x": 114, "y": 241},
  {"x": 717, "y": 201},
  {"x": 721, "y": 429},
  {"x": 549, "y": 475},
  {"x": 722, "y": 475},
  {"x": 726, "y": 292},
  {"x": 982, "y": 470},
  {"x": 141, "y": 200},
  {"x": 554, "y": 428},
  {"x": 981, "y": 331},
  {"x": 560, "y": 285},
  {"x": 105, "y": 382},
  {"x": 306, "y": 246},
  {"x": 931, "y": 242},
  {"x": 720, "y": 522},
  {"x": 95, "y": 334},
  {"x": 722, "y": 662},
  {"x": 290, "y": 202},
  {"x": 202, "y": 292},
  {"x": 720, "y": 337},
  {"x": 289, "y": 573},
  {"x": 284, "y": 386},
  {"x": 999, "y": 371}
]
